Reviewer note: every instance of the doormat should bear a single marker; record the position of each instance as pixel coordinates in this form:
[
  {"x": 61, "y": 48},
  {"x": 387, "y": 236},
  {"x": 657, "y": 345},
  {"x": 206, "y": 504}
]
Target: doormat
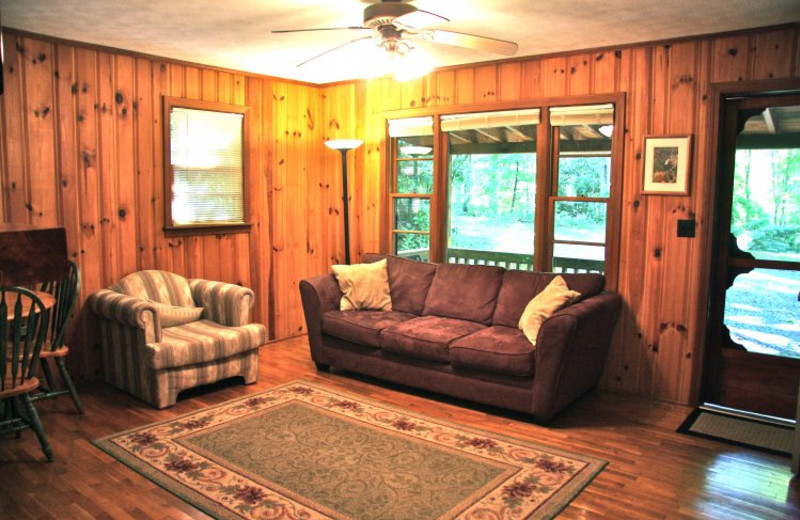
[
  {"x": 302, "y": 450},
  {"x": 741, "y": 431}
]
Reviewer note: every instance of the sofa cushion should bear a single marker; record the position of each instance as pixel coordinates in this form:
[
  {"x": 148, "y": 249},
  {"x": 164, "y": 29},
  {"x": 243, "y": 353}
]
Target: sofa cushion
[
  {"x": 409, "y": 281},
  {"x": 427, "y": 337},
  {"x": 502, "y": 350},
  {"x": 363, "y": 286},
  {"x": 202, "y": 341},
  {"x": 519, "y": 288},
  {"x": 467, "y": 292},
  {"x": 362, "y": 327}
]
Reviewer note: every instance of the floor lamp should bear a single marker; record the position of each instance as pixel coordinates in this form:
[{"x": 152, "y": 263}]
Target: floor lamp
[{"x": 343, "y": 146}]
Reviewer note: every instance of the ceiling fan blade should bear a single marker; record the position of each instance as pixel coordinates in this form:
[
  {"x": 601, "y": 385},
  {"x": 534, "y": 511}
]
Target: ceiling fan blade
[
  {"x": 334, "y": 49},
  {"x": 352, "y": 27},
  {"x": 473, "y": 41},
  {"x": 418, "y": 19}
]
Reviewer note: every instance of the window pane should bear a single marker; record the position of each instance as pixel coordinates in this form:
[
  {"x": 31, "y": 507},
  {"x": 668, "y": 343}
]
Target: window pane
[
  {"x": 766, "y": 203},
  {"x": 584, "y": 176},
  {"x": 573, "y": 258},
  {"x": 412, "y": 214},
  {"x": 580, "y": 221},
  {"x": 412, "y": 246},
  {"x": 415, "y": 176},
  {"x": 761, "y": 312},
  {"x": 207, "y": 165},
  {"x": 415, "y": 147},
  {"x": 492, "y": 187}
]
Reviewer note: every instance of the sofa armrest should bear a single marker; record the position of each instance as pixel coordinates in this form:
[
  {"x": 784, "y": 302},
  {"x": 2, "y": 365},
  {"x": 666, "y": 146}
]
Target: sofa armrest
[
  {"x": 224, "y": 303},
  {"x": 319, "y": 295},
  {"x": 572, "y": 347},
  {"x": 126, "y": 311}
]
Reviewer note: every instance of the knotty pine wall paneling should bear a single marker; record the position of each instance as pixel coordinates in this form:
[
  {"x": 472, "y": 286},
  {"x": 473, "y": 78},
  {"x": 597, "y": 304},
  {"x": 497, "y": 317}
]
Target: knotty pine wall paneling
[
  {"x": 82, "y": 147},
  {"x": 657, "y": 350}
]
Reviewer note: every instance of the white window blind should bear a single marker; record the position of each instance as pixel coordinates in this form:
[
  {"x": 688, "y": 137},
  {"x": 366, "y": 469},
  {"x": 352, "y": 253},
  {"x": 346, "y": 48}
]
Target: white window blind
[
  {"x": 582, "y": 115},
  {"x": 499, "y": 119},
  {"x": 206, "y": 153},
  {"x": 411, "y": 127}
]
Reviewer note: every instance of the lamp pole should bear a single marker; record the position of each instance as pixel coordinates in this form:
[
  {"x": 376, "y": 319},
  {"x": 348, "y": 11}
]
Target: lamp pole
[{"x": 343, "y": 146}]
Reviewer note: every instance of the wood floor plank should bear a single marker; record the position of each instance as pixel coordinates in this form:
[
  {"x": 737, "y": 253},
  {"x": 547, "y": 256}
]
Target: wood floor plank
[{"x": 653, "y": 472}]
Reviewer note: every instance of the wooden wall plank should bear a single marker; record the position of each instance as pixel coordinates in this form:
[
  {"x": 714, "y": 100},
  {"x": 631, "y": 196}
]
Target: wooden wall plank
[
  {"x": 126, "y": 207},
  {"x": 579, "y": 75},
  {"x": 15, "y": 192},
  {"x": 531, "y": 87},
  {"x": 774, "y": 53},
  {"x": 731, "y": 58},
  {"x": 604, "y": 71},
  {"x": 486, "y": 84},
  {"x": 509, "y": 81},
  {"x": 465, "y": 86},
  {"x": 144, "y": 111},
  {"x": 42, "y": 200},
  {"x": 554, "y": 77},
  {"x": 90, "y": 258}
]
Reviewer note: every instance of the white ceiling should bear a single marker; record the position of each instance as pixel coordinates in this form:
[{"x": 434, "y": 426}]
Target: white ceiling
[{"x": 236, "y": 34}]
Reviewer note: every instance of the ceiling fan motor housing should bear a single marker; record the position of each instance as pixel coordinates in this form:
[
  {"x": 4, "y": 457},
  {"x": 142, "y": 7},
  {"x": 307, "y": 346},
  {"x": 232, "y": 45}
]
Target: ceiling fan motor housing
[{"x": 384, "y": 13}]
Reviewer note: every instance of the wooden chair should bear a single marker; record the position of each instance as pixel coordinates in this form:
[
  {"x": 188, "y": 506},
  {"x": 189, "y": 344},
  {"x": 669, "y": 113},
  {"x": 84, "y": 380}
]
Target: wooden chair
[
  {"x": 23, "y": 329},
  {"x": 54, "y": 350}
]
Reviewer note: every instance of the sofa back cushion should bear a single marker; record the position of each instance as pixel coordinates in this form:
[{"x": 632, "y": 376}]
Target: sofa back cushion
[
  {"x": 519, "y": 288},
  {"x": 409, "y": 281},
  {"x": 466, "y": 292},
  {"x": 157, "y": 286}
]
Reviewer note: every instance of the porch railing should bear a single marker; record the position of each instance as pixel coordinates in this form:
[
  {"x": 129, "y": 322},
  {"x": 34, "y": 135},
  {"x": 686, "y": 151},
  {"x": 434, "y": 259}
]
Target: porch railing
[{"x": 510, "y": 260}]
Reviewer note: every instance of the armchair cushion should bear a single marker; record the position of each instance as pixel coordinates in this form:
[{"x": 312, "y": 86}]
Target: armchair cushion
[
  {"x": 200, "y": 342},
  {"x": 157, "y": 286}
]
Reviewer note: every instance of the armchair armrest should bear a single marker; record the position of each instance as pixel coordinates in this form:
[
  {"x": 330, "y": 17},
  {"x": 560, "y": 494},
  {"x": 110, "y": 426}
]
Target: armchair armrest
[
  {"x": 224, "y": 303},
  {"x": 572, "y": 347},
  {"x": 319, "y": 295},
  {"x": 127, "y": 311}
]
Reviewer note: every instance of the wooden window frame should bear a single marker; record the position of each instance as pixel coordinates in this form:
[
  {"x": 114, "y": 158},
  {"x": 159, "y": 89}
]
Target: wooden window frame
[
  {"x": 545, "y": 181},
  {"x": 170, "y": 229}
]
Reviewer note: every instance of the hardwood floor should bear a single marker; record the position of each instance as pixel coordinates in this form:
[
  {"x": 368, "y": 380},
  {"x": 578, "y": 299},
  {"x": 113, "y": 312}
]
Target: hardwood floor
[{"x": 653, "y": 472}]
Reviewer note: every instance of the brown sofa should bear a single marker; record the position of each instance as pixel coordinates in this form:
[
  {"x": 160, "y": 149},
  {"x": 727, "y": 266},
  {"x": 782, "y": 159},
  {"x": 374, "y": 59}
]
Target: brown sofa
[{"x": 453, "y": 330}]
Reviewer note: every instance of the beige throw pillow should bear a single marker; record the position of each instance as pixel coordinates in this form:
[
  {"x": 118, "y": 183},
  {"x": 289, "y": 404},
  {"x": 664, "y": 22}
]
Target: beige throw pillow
[
  {"x": 554, "y": 297},
  {"x": 365, "y": 286}
]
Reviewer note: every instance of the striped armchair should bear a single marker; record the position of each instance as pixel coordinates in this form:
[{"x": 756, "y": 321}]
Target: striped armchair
[{"x": 161, "y": 333}]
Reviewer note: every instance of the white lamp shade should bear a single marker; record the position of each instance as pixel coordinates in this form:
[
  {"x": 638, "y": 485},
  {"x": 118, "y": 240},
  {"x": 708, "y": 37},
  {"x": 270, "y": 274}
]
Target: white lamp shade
[{"x": 343, "y": 144}]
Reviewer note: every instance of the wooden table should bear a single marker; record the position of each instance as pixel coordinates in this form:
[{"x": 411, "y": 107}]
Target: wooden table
[{"x": 47, "y": 299}]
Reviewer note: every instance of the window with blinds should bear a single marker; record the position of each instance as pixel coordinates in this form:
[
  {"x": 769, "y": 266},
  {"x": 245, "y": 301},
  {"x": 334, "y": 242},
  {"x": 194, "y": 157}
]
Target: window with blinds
[{"x": 205, "y": 166}]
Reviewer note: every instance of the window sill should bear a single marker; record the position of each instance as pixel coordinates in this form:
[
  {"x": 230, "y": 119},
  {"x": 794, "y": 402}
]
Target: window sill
[{"x": 218, "y": 229}]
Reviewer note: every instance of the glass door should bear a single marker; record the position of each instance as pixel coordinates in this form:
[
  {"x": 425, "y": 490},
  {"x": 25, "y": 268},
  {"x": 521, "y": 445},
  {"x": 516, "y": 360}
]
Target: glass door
[{"x": 755, "y": 298}]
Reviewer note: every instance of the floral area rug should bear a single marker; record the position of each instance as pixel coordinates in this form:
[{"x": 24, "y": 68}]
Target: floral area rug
[{"x": 305, "y": 451}]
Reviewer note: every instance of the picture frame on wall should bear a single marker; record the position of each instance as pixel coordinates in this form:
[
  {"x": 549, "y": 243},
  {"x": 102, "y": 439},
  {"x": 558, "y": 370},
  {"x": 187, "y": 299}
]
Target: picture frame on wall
[{"x": 666, "y": 165}]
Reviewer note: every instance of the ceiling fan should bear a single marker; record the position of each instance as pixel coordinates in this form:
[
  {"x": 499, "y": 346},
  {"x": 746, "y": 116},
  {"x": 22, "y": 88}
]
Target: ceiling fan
[{"x": 397, "y": 26}]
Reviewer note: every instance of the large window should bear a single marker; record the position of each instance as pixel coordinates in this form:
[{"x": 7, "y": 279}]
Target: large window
[
  {"x": 507, "y": 188},
  {"x": 204, "y": 167}
]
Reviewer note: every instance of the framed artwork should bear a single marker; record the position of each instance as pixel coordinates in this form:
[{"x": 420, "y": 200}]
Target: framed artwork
[{"x": 666, "y": 164}]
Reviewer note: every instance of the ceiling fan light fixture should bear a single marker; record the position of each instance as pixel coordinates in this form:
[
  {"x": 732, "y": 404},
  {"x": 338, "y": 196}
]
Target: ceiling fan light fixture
[{"x": 413, "y": 64}]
